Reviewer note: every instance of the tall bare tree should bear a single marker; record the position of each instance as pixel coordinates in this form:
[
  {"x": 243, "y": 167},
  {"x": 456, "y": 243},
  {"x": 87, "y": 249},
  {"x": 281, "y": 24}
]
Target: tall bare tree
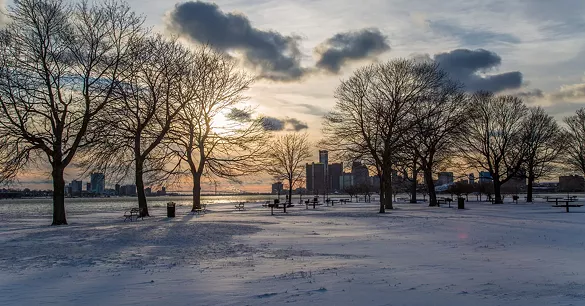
[
  {"x": 59, "y": 65},
  {"x": 211, "y": 136},
  {"x": 286, "y": 158},
  {"x": 439, "y": 123},
  {"x": 544, "y": 141},
  {"x": 575, "y": 141},
  {"x": 493, "y": 137},
  {"x": 133, "y": 128},
  {"x": 375, "y": 114}
]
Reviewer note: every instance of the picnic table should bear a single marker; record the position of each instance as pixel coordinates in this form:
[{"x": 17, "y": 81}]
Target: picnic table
[
  {"x": 315, "y": 202},
  {"x": 201, "y": 210},
  {"x": 443, "y": 201},
  {"x": 563, "y": 200},
  {"x": 239, "y": 205}
]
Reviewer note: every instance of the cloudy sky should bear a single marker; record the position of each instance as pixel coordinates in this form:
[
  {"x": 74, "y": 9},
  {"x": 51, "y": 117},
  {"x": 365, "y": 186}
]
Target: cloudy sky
[{"x": 300, "y": 49}]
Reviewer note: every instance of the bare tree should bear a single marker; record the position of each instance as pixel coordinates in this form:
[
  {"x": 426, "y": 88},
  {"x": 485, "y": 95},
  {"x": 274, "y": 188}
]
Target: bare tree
[
  {"x": 375, "y": 114},
  {"x": 575, "y": 141},
  {"x": 59, "y": 65},
  {"x": 440, "y": 119},
  {"x": 211, "y": 136},
  {"x": 132, "y": 129},
  {"x": 286, "y": 158},
  {"x": 493, "y": 137},
  {"x": 544, "y": 142}
]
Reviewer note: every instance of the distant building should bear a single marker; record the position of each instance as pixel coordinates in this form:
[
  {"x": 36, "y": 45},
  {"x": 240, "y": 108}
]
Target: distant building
[
  {"x": 117, "y": 188},
  {"x": 571, "y": 183},
  {"x": 277, "y": 188},
  {"x": 334, "y": 174},
  {"x": 324, "y": 157},
  {"x": 345, "y": 181},
  {"x": 128, "y": 190},
  {"x": 98, "y": 183},
  {"x": 88, "y": 187},
  {"x": 471, "y": 178},
  {"x": 445, "y": 178},
  {"x": 360, "y": 173},
  {"x": 485, "y": 177},
  {"x": 315, "y": 178},
  {"x": 76, "y": 187},
  {"x": 148, "y": 191}
]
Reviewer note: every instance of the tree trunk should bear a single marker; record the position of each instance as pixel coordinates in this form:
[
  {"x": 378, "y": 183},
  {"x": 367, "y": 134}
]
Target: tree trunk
[
  {"x": 414, "y": 186},
  {"x": 59, "y": 217},
  {"x": 497, "y": 192},
  {"x": 196, "y": 191},
  {"x": 290, "y": 183},
  {"x": 531, "y": 180},
  {"x": 140, "y": 187},
  {"x": 387, "y": 204},
  {"x": 431, "y": 187}
]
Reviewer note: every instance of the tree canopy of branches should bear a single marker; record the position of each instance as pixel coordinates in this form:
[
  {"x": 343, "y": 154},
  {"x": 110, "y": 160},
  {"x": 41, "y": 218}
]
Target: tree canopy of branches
[
  {"x": 575, "y": 141},
  {"x": 207, "y": 138},
  {"x": 375, "y": 114},
  {"x": 157, "y": 86},
  {"x": 544, "y": 142},
  {"x": 286, "y": 158},
  {"x": 493, "y": 137},
  {"x": 59, "y": 66},
  {"x": 439, "y": 123}
]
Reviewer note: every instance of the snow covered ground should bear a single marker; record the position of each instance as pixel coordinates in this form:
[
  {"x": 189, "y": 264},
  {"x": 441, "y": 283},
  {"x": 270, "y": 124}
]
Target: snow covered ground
[{"x": 511, "y": 254}]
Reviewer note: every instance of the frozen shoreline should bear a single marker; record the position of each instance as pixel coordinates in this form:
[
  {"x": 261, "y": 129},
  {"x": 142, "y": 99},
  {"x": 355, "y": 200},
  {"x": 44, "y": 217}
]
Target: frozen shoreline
[{"x": 511, "y": 254}]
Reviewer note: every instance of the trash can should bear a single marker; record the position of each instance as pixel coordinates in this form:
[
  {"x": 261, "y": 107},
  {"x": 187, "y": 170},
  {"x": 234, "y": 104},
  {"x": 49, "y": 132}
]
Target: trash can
[
  {"x": 171, "y": 209},
  {"x": 460, "y": 203}
]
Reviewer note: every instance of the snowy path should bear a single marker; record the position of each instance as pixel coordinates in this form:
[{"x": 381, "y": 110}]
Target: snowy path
[{"x": 512, "y": 254}]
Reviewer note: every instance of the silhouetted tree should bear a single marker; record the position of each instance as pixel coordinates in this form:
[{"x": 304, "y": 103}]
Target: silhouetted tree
[
  {"x": 493, "y": 137},
  {"x": 440, "y": 120},
  {"x": 544, "y": 142},
  {"x": 286, "y": 156},
  {"x": 375, "y": 111},
  {"x": 59, "y": 66},
  {"x": 210, "y": 136},
  {"x": 575, "y": 149},
  {"x": 133, "y": 128}
]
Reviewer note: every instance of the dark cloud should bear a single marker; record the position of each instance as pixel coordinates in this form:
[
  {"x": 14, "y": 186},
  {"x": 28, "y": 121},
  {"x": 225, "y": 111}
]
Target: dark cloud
[
  {"x": 312, "y": 109},
  {"x": 470, "y": 66},
  {"x": 276, "y": 56},
  {"x": 239, "y": 114},
  {"x": 290, "y": 124},
  {"x": 348, "y": 46},
  {"x": 469, "y": 36}
]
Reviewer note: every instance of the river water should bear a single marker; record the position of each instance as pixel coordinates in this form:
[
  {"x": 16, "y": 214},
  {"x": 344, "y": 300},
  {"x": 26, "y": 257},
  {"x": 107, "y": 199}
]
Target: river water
[{"x": 75, "y": 206}]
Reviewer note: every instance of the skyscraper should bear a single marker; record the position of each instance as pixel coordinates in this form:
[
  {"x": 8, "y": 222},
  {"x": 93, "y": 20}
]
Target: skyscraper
[
  {"x": 334, "y": 174},
  {"x": 76, "y": 187},
  {"x": 315, "y": 178},
  {"x": 324, "y": 157},
  {"x": 98, "y": 183},
  {"x": 360, "y": 173}
]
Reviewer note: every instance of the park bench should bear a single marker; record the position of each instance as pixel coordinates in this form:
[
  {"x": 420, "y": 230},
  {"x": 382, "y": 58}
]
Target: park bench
[
  {"x": 133, "y": 213},
  {"x": 266, "y": 204},
  {"x": 315, "y": 203},
  {"x": 239, "y": 205},
  {"x": 201, "y": 210},
  {"x": 444, "y": 201},
  {"x": 344, "y": 201}
]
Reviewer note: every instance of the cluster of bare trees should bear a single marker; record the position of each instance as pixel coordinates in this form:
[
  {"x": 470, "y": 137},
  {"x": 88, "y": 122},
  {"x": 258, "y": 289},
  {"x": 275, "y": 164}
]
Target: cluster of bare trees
[
  {"x": 88, "y": 84},
  {"x": 409, "y": 116}
]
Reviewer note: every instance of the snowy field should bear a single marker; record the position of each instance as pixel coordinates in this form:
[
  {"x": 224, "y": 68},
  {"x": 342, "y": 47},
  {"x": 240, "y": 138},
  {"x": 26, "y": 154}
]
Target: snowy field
[{"x": 511, "y": 254}]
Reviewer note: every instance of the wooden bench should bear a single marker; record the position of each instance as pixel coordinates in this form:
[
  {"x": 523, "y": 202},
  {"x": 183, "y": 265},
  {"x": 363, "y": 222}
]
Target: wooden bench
[
  {"x": 239, "y": 205},
  {"x": 201, "y": 210},
  {"x": 133, "y": 213}
]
